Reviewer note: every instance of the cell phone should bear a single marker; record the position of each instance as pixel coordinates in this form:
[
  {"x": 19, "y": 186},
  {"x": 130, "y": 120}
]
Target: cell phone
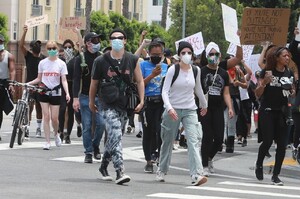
[
  {"x": 158, "y": 66},
  {"x": 269, "y": 73}
]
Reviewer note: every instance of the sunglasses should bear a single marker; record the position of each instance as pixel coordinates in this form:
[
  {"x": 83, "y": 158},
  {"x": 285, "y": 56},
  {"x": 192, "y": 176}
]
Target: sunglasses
[
  {"x": 51, "y": 48},
  {"x": 70, "y": 47},
  {"x": 120, "y": 37},
  {"x": 212, "y": 54},
  {"x": 95, "y": 40},
  {"x": 183, "y": 53}
]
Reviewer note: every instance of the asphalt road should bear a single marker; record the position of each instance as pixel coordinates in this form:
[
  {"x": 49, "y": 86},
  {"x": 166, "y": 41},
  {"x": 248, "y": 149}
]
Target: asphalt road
[{"x": 27, "y": 171}]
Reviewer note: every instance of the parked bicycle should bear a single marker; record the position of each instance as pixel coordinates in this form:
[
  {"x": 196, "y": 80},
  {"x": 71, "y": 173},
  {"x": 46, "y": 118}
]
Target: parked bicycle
[{"x": 21, "y": 117}]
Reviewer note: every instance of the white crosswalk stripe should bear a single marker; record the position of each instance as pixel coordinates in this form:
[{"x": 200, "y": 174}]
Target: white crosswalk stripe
[{"x": 231, "y": 187}]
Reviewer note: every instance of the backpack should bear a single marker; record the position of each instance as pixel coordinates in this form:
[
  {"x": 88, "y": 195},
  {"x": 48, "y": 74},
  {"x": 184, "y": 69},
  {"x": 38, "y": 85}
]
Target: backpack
[{"x": 176, "y": 73}]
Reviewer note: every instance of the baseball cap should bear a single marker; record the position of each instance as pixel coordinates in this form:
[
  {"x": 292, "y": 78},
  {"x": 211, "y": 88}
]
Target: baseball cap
[
  {"x": 2, "y": 38},
  {"x": 91, "y": 35},
  {"x": 32, "y": 43}
]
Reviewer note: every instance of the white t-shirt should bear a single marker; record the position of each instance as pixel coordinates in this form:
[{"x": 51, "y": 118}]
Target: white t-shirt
[
  {"x": 243, "y": 91},
  {"x": 52, "y": 72}
]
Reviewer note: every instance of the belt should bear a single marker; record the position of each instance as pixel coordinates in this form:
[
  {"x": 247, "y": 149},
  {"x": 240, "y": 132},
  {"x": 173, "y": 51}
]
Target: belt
[{"x": 155, "y": 99}]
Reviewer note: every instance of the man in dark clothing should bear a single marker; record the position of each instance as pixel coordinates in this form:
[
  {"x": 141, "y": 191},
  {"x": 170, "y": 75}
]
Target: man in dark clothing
[
  {"x": 7, "y": 72},
  {"x": 81, "y": 87},
  {"x": 105, "y": 71},
  {"x": 32, "y": 58}
]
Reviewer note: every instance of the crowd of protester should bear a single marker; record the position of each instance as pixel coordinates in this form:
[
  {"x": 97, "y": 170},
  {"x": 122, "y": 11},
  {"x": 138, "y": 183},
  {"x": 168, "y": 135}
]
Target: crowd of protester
[{"x": 201, "y": 102}]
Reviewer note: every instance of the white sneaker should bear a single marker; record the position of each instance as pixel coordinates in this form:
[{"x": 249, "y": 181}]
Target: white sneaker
[
  {"x": 211, "y": 167},
  {"x": 206, "y": 172},
  {"x": 160, "y": 176},
  {"x": 57, "y": 140},
  {"x": 198, "y": 180},
  {"x": 47, "y": 146},
  {"x": 175, "y": 147}
]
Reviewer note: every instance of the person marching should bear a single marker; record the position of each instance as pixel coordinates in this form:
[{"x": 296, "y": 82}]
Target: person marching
[
  {"x": 274, "y": 88},
  {"x": 180, "y": 106}
]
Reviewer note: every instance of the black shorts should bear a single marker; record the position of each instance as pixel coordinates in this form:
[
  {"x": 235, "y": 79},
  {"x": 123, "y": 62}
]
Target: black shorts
[
  {"x": 53, "y": 100},
  {"x": 34, "y": 96}
]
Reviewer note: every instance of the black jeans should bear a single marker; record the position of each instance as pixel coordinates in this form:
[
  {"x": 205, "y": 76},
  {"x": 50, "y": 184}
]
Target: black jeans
[
  {"x": 151, "y": 131},
  {"x": 296, "y": 136},
  {"x": 213, "y": 133},
  {"x": 273, "y": 127}
]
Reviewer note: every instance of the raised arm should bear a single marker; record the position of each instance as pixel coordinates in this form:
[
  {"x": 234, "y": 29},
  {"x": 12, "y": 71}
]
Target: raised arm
[{"x": 22, "y": 41}]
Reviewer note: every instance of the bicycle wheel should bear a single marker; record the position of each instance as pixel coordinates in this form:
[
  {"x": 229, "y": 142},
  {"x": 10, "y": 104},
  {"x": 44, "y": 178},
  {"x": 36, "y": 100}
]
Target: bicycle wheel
[
  {"x": 16, "y": 124},
  {"x": 21, "y": 134}
]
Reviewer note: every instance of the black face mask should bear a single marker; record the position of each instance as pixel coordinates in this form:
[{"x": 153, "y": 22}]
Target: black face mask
[
  {"x": 155, "y": 59},
  {"x": 36, "y": 49}
]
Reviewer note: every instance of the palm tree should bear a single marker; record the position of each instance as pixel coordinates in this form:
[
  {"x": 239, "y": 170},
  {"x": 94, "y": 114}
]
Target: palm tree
[
  {"x": 164, "y": 13},
  {"x": 88, "y": 9}
]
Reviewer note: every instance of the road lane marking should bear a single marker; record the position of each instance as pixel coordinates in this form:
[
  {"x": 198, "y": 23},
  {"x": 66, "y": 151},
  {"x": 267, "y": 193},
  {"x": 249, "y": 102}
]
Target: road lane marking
[
  {"x": 260, "y": 193},
  {"x": 185, "y": 196},
  {"x": 259, "y": 185}
]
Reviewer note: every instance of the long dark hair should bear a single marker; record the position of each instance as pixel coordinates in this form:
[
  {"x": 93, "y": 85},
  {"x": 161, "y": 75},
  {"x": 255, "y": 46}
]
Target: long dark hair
[{"x": 273, "y": 54}]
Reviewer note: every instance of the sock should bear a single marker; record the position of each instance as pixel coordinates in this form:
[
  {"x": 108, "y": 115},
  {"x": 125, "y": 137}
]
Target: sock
[
  {"x": 39, "y": 123},
  {"x": 140, "y": 126}
]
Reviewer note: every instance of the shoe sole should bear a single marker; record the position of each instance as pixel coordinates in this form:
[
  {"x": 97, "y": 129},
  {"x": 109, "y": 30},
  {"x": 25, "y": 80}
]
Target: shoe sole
[
  {"x": 123, "y": 181},
  {"x": 160, "y": 180},
  {"x": 148, "y": 171},
  {"x": 202, "y": 181},
  {"x": 277, "y": 184},
  {"x": 107, "y": 178}
]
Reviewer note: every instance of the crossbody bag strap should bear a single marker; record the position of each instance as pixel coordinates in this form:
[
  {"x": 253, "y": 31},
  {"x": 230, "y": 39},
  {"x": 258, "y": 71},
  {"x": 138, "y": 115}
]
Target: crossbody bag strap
[{"x": 215, "y": 76}]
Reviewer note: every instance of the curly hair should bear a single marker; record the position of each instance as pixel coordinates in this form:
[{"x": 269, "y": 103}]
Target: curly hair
[{"x": 273, "y": 54}]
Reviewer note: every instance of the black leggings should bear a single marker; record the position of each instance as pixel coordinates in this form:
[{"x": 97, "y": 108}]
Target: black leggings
[
  {"x": 273, "y": 127},
  {"x": 151, "y": 132},
  {"x": 213, "y": 133},
  {"x": 296, "y": 137}
]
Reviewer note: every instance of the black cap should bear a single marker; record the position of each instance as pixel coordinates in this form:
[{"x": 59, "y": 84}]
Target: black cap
[
  {"x": 32, "y": 43},
  {"x": 118, "y": 30},
  {"x": 159, "y": 40},
  {"x": 168, "y": 52},
  {"x": 184, "y": 44},
  {"x": 91, "y": 35},
  {"x": 2, "y": 38}
]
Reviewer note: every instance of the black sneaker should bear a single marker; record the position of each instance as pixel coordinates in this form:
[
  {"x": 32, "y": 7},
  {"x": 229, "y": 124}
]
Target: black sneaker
[
  {"x": 88, "y": 158},
  {"x": 276, "y": 181},
  {"x": 67, "y": 140},
  {"x": 259, "y": 173},
  {"x": 244, "y": 143},
  {"x": 139, "y": 135},
  {"x": 121, "y": 178},
  {"x": 298, "y": 155},
  {"x": 268, "y": 155},
  {"x": 104, "y": 172},
  {"x": 97, "y": 154},
  {"x": 148, "y": 168},
  {"x": 79, "y": 131}
]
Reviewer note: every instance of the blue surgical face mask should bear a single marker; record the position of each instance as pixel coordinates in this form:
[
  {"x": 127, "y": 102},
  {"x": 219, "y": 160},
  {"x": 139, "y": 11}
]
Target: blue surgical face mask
[
  {"x": 117, "y": 44},
  {"x": 1, "y": 47},
  {"x": 52, "y": 53},
  {"x": 96, "y": 47}
]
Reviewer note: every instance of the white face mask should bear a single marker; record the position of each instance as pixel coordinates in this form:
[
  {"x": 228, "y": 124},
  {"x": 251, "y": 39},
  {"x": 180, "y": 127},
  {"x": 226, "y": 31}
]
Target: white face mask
[
  {"x": 1, "y": 47},
  {"x": 186, "y": 58}
]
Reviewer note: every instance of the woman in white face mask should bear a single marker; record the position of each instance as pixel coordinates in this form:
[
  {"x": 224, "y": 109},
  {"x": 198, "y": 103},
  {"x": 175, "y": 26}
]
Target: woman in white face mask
[{"x": 180, "y": 106}]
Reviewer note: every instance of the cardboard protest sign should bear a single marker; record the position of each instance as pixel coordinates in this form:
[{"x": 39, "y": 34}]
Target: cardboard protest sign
[
  {"x": 230, "y": 24},
  {"x": 36, "y": 21},
  {"x": 73, "y": 22},
  {"x": 247, "y": 50},
  {"x": 64, "y": 34},
  {"x": 196, "y": 40},
  {"x": 265, "y": 24}
]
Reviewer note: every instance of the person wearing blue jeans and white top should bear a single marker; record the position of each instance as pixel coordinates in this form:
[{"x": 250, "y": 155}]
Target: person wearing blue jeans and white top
[{"x": 180, "y": 106}]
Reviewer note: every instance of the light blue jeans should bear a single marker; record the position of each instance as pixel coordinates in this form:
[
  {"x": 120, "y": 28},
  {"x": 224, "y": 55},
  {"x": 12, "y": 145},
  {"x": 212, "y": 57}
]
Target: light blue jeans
[
  {"x": 89, "y": 141},
  {"x": 192, "y": 128},
  {"x": 230, "y": 123}
]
